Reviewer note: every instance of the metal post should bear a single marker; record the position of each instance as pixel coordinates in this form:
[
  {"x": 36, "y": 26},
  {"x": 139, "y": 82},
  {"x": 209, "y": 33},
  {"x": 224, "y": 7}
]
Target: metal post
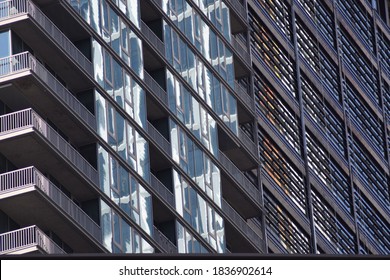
[
  {"x": 347, "y": 127},
  {"x": 309, "y": 206}
]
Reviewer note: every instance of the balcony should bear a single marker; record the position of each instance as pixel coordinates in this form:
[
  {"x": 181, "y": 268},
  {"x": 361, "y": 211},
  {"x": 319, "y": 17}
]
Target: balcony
[
  {"x": 239, "y": 191},
  {"x": 243, "y": 58},
  {"x": 165, "y": 243},
  {"x": 151, "y": 61},
  {"x": 333, "y": 150},
  {"x": 40, "y": 201},
  {"x": 153, "y": 40},
  {"x": 238, "y": 16},
  {"x": 238, "y": 228},
  {"x": 245, "y": 98},
  {"x": 38, "y": 32},
  {"x": 245, "y": 156},
  {"x": 40, "y": 144},
  {"x": 25, "y": 82},
  {"x": 28, "y": 240},
  {"x": 161, "y": 142}
]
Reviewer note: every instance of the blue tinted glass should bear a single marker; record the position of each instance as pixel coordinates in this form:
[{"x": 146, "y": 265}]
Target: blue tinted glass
[{"x": 5, "y": 44}]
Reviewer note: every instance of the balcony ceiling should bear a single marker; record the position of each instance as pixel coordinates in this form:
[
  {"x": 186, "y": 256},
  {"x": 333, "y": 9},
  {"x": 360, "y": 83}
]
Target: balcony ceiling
[
  {"x": 31, "y": 206},
  {"x": 25, "y": 90},
  {"x": 34, "y": 149}
]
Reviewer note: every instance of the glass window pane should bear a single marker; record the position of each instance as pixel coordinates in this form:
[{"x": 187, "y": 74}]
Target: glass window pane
[{"x": 5, "y": 44}]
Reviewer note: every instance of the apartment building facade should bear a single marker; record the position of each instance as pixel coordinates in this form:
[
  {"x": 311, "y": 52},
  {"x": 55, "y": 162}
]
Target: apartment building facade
[{"x": 194, "y": 126}]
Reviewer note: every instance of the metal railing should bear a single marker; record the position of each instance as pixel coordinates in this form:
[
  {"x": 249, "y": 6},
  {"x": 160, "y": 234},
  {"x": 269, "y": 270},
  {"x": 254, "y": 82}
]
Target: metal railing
[
  {"x": 28, "y": 118},
  {"x": 244, "y": 96},
  {"x": 367, "y": 138},
  {"x": 24, "y": 238},
  {"x": 25, "y": 61},
  {"x": 241, "y": 50},
  {"x": 29, "y": 176},
  {"x": 15, "y": 121},
  {"x": 72, "y": 155},
  {"x": 13, "y": 8},
  {"x": 65, "y": 96},
  {"x": 276, "y": 240},
  {"x": 238, "y": 7},
  {"x": 248, "y": 143},
  {"x": 155, "y": 88},
  {"x": 15, "y": 63},
  {"x": 381, "y": 22},
  {"x": 163, "y": 241},
  {"x": 242, "y": 225},
  {"x": 162, "y": 190},
  {"x": 159, "y": 139},
  {"x": 152, "y": 38},
  {"x": 368, "y": 238},
  {"x": 240, "y": 178}
]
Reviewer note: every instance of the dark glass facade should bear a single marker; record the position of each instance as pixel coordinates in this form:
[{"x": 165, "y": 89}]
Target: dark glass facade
[{"x": 194, "y": 126}]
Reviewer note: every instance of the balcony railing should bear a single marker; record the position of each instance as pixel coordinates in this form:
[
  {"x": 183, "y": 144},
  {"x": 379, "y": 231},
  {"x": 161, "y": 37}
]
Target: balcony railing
[
  {"x": 159, "y": 139},
  {"x": 248, "y": 143},
  {"x": 25, "y": 61},
  {"x": 29, "y": 119},
  {"x": 16, "y": 63},
  {"x": 241, "y": 50},
  {"x": 263, "y": 66},
  {"x": 237, "y": 7},
  {"x": 162, "y": 190},
  {"x": 244, "y": 97},
  {"x": 152, "y": 38},
  {"x": 274, "y": 24},
  {"x": 368, "y": 139},
  {"x": 240, "y": 178},
  {"x": 155, "y": 88},
  {"x": 162, "y": 240},
  {"x": 30, "y": 176},
  {"x": 14, "y": 241},
  {"x": 241, "y": 224},
  {"x": 328, "y": 193},
  {"x": 322, "y": 85},
  {"x": 12, "y": 8},
  {"x": 276, "y": 240}
]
